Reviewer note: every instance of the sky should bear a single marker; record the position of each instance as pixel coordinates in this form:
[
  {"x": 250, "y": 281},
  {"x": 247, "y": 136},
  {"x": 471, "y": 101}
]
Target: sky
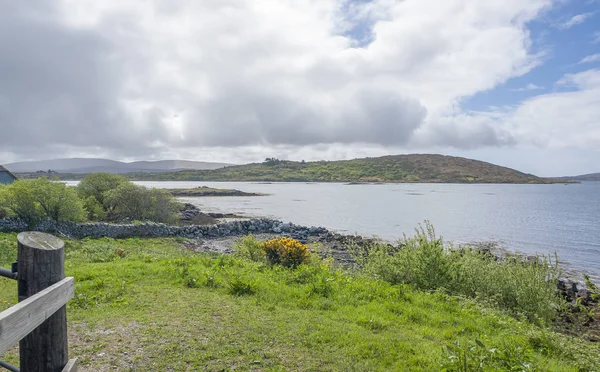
[{"x": 512, "y": 82}]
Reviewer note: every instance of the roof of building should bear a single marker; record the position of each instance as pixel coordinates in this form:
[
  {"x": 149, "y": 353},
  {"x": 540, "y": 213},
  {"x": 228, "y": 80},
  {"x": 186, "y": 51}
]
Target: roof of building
[{"x": 6, "y": 176}]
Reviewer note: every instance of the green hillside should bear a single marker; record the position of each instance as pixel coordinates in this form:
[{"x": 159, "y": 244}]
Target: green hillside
[
  {"x": 583, "y": 177},
  {"x": 397, "y": 168}
]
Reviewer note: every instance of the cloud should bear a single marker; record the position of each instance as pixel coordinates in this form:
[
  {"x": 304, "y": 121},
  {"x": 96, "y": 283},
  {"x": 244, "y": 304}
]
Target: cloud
[
  {"x": 59, "y": 87},
  {"x": 558, "y": 120},
  {"x": 575, "y": 20},
  {"x": 463, "y": 131},
  {"x": 597, "y": 37},
  {"x": 528, "y": 88},
  {"x": 144, "y": 78},
  {"x": 591, "y": 59}
]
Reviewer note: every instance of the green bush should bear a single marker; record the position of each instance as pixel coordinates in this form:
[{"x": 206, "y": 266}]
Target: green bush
[
  {"x": 240, "y": 286},
  {"x": 34, "y": 200},
  {"x": 94, "y": 210},
  {"x": 422, "y": 261},
  {"x": 249, "y": 247},
  {"x": 92, "y": 189},
  {"x": 130, "y": 201},
  {"x": 163, "y": 206},
  {"x": 523, "y": 288},
  {"x": 18, "y": 199},
  {"x": 3, "y": 212},
  {"x": 96, "y": 184}
]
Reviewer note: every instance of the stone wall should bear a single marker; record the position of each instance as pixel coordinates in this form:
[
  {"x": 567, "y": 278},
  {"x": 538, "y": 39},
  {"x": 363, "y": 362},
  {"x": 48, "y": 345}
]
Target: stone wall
[{"x": 149, "y": 229}]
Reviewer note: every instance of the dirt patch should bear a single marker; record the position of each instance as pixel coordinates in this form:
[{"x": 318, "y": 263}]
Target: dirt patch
[{"x": 106, "y": 349}]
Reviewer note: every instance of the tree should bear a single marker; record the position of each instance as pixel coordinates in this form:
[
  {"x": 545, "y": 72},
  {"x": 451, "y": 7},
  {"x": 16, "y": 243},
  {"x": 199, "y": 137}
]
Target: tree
[
  {"x": 126, "y": 201},
  {"x": 34, "y": 200},
  {"x": 97, "y": 184},
  {"x": 164, "y": 206},
  {"x": 140, "y": 203},
  {"x": 18, "y": 199},
  {"x": 92, "y": 189},
  {"x": 272, "y": 161},
  {"x": 57, "y": 201}
]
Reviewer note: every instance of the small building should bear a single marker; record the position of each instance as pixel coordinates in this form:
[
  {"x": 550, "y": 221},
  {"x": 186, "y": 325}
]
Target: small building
[{"x": 6, "y": 177}]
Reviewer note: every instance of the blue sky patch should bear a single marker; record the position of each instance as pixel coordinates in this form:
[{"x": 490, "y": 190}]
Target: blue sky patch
[{"x": 565, "y": 35}]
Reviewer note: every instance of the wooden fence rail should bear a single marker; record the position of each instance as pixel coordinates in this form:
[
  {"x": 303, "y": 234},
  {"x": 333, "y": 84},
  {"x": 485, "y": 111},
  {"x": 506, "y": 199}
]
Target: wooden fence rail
[
  {"x": 18, "y": 321},
  {"x": 39, "y": 321}
]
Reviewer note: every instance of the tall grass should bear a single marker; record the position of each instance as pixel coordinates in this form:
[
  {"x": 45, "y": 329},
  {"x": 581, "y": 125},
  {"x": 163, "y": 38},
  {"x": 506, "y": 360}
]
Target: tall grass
[{"x": 523, "y": 288}]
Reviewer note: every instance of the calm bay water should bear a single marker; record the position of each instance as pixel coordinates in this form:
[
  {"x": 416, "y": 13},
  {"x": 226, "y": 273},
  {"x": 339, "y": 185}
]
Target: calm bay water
[{"x": 526, "y": 218}]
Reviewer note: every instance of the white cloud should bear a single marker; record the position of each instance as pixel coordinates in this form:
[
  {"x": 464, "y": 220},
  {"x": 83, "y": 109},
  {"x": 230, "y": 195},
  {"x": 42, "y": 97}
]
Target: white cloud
[
  {"x": 575, "y": 20},
  {"x": 158, "y": 76},
  {"x": 597, "y": 37},
  {"x": 591, "y": 59},
  {"x": 528, "y": 88},
  {"x": 556, "y": 120}
]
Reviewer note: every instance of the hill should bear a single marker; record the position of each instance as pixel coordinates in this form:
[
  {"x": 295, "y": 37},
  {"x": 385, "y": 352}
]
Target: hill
[
  {"x": 398, "y": 168},
  {"x": 93, "y": 165},
  {"x": 583, "y": 177}
]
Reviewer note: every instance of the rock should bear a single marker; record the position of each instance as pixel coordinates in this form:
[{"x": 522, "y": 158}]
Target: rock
[
  {"x": 189, "y": 207},
  {"x": 585, "y": 295}
]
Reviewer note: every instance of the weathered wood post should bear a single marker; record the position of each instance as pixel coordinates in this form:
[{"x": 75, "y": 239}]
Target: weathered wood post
[{"x": 41, "y": 263}]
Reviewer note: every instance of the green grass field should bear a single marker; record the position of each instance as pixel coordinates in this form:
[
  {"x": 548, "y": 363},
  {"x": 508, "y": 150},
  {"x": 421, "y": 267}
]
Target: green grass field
[{"x": 152, "y": 305}]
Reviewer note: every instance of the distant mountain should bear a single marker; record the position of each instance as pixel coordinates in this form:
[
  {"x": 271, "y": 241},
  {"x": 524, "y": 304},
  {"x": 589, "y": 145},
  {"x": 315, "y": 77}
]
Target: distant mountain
[
  {"x": 398, "y": 168},
  {"x": 583, "y": 177},
  {"x": 92, "y": 165}
]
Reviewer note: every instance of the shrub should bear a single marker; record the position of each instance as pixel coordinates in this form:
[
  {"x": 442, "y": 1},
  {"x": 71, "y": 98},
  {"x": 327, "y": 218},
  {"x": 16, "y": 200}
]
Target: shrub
[
  {"x": 96, "y": 184},
  {"x": 163, "y": 206},
  {"x": 34, "y": 200},
  {"x": 130, "y": 201},
  {"x": 92, "y": 190},
  {"x": 239, "y": 286},
  {"x": 3, "y": 212},
  {"x": 285, "y": 251},
  {"x": 250, "y": 248},
  {"x": 57, "y": 201},
  {"x": 18, "y": 199},
  {"x": 523, "y": 288},
  {"x": 422, "y": 260},
  {"x": 94, "y": 210}
]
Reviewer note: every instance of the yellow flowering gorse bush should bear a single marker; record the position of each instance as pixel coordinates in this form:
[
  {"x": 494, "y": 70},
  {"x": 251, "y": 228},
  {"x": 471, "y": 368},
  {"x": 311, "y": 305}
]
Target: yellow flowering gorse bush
[{"x": 285, "y": 251}]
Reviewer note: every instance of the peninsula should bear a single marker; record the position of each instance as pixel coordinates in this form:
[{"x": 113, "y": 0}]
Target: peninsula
[{"x": 423, "y": 168}]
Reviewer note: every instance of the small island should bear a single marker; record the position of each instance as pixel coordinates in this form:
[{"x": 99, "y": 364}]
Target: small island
[{"x": 203, "y": 191}]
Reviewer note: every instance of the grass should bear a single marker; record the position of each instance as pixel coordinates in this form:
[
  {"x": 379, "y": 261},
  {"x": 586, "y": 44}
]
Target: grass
[{"x": 151, "y": 305}]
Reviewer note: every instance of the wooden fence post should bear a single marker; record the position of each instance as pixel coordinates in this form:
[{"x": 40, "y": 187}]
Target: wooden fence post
[{"x": 41, "y": 263}]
